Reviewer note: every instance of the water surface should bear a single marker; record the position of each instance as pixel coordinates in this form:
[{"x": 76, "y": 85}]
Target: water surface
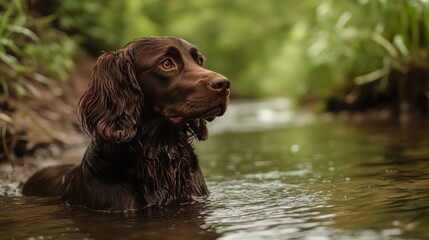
[{"x": 273, "y": 174}]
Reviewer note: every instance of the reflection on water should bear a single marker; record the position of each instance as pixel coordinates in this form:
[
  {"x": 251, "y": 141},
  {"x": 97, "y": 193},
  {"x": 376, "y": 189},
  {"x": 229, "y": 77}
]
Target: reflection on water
[
  {"x": 248, "y": 116},
  {"x": 273, "y": 174},
  {"x": 47, "y": 218}
]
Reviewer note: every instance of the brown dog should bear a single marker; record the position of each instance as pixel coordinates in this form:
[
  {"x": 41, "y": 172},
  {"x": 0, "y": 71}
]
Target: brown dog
[{"x": 144, "y": 105}]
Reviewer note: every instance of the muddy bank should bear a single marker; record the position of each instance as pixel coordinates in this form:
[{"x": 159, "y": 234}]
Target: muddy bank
[
  {"x": 47, "y": 123},
  {"x": 401, "y": 94}
]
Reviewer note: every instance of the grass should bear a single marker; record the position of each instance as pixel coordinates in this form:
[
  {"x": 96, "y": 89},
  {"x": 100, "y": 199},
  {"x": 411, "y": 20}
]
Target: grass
[{"x": 33, "y": 57}]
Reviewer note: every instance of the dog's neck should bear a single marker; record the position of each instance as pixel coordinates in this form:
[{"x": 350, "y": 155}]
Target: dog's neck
[
  {"x": 160, "y": 161},
  {"x": 157, "y": 139},
  {"x": 168, "y": 169},
  {"x": 161, "y": 133}
]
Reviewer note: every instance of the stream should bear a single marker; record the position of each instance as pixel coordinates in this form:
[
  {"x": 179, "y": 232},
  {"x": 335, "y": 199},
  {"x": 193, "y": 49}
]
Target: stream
[{"x": 273, "y": 173}]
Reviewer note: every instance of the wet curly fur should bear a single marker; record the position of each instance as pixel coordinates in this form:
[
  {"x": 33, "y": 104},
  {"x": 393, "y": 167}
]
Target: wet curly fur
[{"x": 144, "y": 105}]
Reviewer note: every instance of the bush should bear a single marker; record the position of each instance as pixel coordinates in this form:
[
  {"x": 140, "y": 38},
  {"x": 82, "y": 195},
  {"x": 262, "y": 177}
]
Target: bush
[
  {"x": 34, "y": 62},
  {"x": 363, "y": 51},
  {"x": 31, "y": 53},
  {"x": 98, "y": 25}
]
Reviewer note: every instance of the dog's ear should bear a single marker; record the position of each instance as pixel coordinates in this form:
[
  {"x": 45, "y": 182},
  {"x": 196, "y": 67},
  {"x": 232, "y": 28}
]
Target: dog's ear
[
  {"x": 112, "y": 104},
  {"x": 199, "y": 128}
]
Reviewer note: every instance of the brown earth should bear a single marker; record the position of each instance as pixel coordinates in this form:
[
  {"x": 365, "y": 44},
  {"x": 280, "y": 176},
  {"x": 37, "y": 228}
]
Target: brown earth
[
  {"x": 47, "y": 123},
  {"x": 401, "y": 94}
]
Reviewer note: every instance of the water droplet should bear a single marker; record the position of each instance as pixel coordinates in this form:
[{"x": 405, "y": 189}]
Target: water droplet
[{"x": 294, "y": 148}]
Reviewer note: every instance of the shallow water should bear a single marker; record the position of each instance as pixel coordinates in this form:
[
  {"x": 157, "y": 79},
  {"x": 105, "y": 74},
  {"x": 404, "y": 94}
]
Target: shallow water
[{"x": 273, "y": 174}]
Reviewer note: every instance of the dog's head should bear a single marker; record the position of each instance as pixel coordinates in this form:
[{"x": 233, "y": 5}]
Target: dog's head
[{"x": 159, "y": 75}]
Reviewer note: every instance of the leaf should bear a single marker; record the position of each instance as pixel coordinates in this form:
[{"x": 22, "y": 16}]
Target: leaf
[
  {"x": 5, "y": 19},
  {"x": 11, "y": 44},
  {"x": 343, "y": 20},
  {"x": 398, "y": 41},
  {"x": 33, "y": 90},
  {"x": 44, "y": 19},
  {"x": 5, "y": 118},
  {"x": 24, "y": 31},
  {"x": 43, "y": 79},
  {"x": 18, "y": 5},
  {"x": 378, "y": 38},
  {"x": 9, "y": 59},
  {"x": 20, "y": 90},
  {"x": 14, "y": 63},
  {"x": 375, "y": 75}
]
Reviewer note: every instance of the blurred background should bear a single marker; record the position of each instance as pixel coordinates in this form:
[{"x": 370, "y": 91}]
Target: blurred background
[{"x": 326, "y": 55}]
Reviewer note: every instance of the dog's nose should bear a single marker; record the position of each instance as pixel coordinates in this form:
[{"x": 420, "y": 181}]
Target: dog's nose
[{"x": 221, "y": 84}]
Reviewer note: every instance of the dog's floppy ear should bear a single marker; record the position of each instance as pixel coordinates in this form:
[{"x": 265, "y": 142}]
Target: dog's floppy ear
[{"x": 111, "y": 106}]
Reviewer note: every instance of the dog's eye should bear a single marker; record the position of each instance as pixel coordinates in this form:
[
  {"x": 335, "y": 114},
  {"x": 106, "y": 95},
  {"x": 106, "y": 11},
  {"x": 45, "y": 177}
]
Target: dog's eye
[
  {"x": 200, "y": 61},
  {"x": 167, "y": 64}
]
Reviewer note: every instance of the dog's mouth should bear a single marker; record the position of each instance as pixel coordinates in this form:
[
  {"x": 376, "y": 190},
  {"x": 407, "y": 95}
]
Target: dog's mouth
[
  {"x": 208, "y": 114},
  {"x": 214, "y": 112}
]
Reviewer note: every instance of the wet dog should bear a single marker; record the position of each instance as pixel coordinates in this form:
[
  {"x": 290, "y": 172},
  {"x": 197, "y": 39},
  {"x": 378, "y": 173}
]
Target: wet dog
[{"x": 143, "y": 107}]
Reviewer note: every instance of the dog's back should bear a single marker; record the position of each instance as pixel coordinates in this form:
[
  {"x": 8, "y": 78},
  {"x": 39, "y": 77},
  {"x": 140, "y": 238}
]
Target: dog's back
[{"x": 49, "y": 181}]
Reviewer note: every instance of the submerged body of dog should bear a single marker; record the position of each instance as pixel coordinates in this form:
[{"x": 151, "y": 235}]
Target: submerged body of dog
[{"x": 143, "y": 107}]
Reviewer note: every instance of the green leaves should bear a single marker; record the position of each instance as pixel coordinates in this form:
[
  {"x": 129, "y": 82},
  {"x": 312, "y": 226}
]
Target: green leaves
[
  {"x": 312, "y": 48},
  {"x": 29, "y": 45}
]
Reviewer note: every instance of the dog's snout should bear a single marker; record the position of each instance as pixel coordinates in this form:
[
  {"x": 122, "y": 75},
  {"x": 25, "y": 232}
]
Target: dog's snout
[{"x": 221, "y": 84}]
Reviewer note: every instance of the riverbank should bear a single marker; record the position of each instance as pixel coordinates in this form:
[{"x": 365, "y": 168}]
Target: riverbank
[
  {"x": 39, "y": 126},
  {"x": 402, "y": 94}
]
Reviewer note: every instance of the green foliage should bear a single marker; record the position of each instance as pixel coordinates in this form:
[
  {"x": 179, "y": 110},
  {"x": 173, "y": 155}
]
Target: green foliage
[
  {"x": 305, "y": 49},
  {"x": 356, "y": 42},
  {"x": 97, "y": 24},
  {"x": 34, "y": 60},
  {"x": 232, "y": 34},
  {"x": 310, "y": 48},
  {"x": 239, "y": 38},
  {"x": 31, "y": 53}
]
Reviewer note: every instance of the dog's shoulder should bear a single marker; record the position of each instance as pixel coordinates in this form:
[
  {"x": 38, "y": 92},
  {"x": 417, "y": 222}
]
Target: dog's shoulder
[{"x": 49, "y": 181}]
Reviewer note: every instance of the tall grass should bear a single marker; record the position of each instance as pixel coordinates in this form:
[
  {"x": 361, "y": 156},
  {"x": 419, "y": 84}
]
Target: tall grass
[
  {"x": 33, "y": 57},
  {"x": 401, "y": 29},
  {"x": 350, "y": 44},
  {"x": 31, "y": 53}
]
